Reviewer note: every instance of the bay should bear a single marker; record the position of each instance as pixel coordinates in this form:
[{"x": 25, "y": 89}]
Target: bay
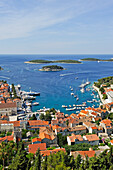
[{"x": 54, "y": 89}]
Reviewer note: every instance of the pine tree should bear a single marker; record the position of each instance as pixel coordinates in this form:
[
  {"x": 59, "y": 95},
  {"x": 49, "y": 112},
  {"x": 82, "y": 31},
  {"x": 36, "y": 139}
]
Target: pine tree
[{"x": 37, "y": 163}]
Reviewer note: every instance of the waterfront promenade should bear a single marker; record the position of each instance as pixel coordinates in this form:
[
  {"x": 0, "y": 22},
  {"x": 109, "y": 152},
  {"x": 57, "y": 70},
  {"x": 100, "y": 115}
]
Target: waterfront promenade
[{"x": 100, "y": 95}]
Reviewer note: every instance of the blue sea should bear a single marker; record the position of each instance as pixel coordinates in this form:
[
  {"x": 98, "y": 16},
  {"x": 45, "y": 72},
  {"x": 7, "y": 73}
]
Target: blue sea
[{"x": 54, "y": 89}]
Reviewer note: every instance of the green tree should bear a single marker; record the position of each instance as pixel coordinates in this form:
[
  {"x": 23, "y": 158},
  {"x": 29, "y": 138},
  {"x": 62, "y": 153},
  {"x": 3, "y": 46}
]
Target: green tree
[
  {"x": 44, "y": 164},
  {"x": 37, "y": 163},
  {"x": 20, "y": 161},
  {"x": 48, "y": 117},
  {"x": 33, "y": 117},
  {"x": 86, "y": 165},
  {"x": 78, "y": 161},
  {"x": 67, "y": 122},
  {"x": 42, "y": 116},
  {"x": 105, "y": 96}
]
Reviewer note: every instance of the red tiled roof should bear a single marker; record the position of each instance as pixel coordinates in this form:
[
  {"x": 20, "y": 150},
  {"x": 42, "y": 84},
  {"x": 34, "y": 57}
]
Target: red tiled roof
[
  {"x": 8, "y": 105},
  {"x": 36, "y": 139},
  {"x": 111, "y": 141},
  {"x": 94, "y": 127},
  {"x": 88, "y": 153},
  {"x": 93, "y": 113},
  {"x": 106, "y": 121},
  {"x": 44, "y": 135},
  {"x": 92, "y": 137},
  {"x": 84, "y": 112},
  {"x": 48, "y": 152},
  {"x": 15, "y": 123},
  {"x": 73, "y": 137},
  {"x": 55, "y": 127},
  {"x": 34, "y": 147},
  {"x": 37, "y": 122},
  {"x": 8, "y": 138}
]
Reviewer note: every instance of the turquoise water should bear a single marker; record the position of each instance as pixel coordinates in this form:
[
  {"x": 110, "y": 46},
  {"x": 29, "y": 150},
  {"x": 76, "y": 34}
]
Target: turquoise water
[{"x": 54, "y": 89}]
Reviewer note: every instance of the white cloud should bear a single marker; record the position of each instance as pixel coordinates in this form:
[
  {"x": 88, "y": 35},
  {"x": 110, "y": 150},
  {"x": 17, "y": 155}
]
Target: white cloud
[{"x": 21, "y": 18}]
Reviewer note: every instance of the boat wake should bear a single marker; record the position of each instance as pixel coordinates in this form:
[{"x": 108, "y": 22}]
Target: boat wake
[
  {"x": 67, "y": 74},
  {"x": 4, "y": 77}
]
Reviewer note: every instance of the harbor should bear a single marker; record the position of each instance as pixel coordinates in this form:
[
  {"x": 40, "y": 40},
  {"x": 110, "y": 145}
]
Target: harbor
[{"x": 54, "y": 87}]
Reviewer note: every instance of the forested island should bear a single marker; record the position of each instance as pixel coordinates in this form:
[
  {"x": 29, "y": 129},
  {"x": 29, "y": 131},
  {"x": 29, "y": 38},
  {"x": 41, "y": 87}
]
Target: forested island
[
  {"x": 95, "y": 59},
  {"x": 54, "y": 61},
  {"x": 51, "y": 68}
]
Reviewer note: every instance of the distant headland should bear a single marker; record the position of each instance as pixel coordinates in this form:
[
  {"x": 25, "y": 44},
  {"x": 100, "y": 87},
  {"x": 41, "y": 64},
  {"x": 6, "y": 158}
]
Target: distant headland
[
  {"x": 52, "y": 68},
  {"x": 95, "y": 59},
  {"x": 54, "y": 61}
]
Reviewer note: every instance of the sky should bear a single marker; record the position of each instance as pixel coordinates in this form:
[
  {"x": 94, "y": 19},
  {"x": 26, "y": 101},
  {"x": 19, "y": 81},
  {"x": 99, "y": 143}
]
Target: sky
[{"x": 56, "y": 27}]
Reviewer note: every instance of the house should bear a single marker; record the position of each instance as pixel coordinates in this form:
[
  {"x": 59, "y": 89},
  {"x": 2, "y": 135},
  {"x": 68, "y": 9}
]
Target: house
[
  {"x": 73, "y": 122},
  {"x": 84, "y": 112},
  {"x": 18, "y": 102},
  {"x": 93, "y": 129},
  {"x": 54, "y": 122},
  {"x": 8, "y": 109},
  {"x": 110, "y": 96},
  {"x": 49, "y": 139},
  {"x": 34, "y": 147},
  {"x": 78, "y": 130},
  {"x": 88, "y": 125},
  {"x": 91, "y": 139},
  {"x": 36, "y": 124},
  {"x": 59, "y": 115},
  {"x": 74, "y": 139},
  {"x": 36, "y": 140},
  {"x": 48, "y": 152},
  {"x": 74, "y": 116},
  {"x": 47, "y": 136},
  {"x": 90, "y": 153},
  {"x": 107, "y": 126}
]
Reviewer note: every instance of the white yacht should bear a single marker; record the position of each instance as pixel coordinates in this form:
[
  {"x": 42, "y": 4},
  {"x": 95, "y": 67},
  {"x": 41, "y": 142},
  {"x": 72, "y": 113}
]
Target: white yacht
[
  {"x": 69, "y": 109},
  {"x": 35, "y": 103},
  {"x": 82, "y": 90},
  {"x": 87, "y": 82},
  {"x": 64, "y": 106},
  {"x": 77, "y": 98}
]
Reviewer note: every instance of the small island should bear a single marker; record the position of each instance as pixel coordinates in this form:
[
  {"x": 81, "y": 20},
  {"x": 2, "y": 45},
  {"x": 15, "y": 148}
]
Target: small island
[
  {"x": 51, "y": 68},
  {"x": 1, "y": 68},
  {"x": 95, "y": 59},
  {"x": 53, "y": 61}
]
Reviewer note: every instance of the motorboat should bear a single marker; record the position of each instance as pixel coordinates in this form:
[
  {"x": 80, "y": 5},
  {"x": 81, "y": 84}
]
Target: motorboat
[{"x": 35, "y": 103}]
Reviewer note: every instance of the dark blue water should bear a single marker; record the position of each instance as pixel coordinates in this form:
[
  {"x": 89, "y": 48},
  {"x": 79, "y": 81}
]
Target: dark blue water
[{"x": 54, "y": 89}]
